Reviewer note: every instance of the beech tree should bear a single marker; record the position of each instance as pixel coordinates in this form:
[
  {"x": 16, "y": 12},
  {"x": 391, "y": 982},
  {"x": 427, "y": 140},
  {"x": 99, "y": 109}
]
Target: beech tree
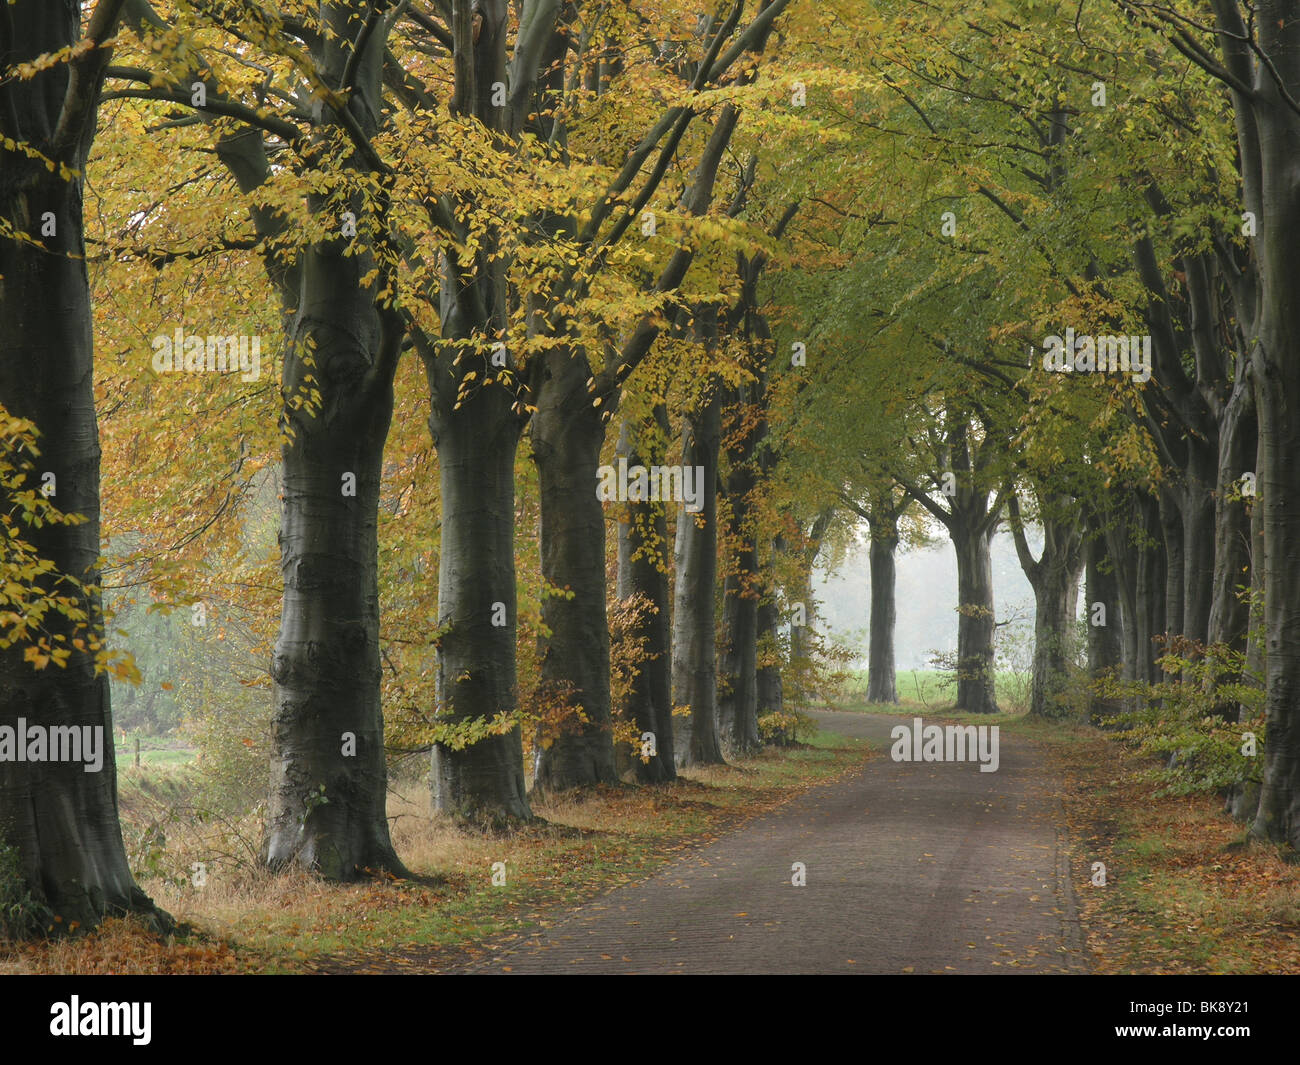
[
  {"x": 343, "y": 337},
  {"x": 1256, "y": 55},
  {"x": 577, "y": 394},
  {"x": 60, "y": 818}
]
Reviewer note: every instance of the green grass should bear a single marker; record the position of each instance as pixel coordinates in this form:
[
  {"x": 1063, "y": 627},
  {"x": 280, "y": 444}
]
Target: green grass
[
  {"x": 925, "y": 690},
  {"x": 154, "y": 751}
]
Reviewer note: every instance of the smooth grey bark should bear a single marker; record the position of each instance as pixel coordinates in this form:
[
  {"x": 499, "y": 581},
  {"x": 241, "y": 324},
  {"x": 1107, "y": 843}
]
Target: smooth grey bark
[
  {"x": 1257, "y": 633},
  {"x": 750, "y": 462},
  {"x": 1243, "y": 802},
  {"x": 1054, "y": 577},
  {"x": 569, "y": 424},
  {"x": 971, "y": 520},
  {"x": 738, "y": 690},
  {"x": 568, "y": 433},
  {"x": 1171, "y": 528},
  {"x": 882, "y": 684},
  {"x": 476, "y": 429},
  {"x": 695, "y": 675},
  {"x": 61, "y": 820},
  {"x": 800, "y": 643},
  {"x": 1229, "y": 612},
  {"x": 1229, "y": 618},
  {"x": 1126, "y": 547},
  {"x": 802, "y": 600},
  {"x": 771, "y": 691},
  {"x": 643, "y": 573},
  {"x": 1105, "y": 627},
  {"x": 1277, "y": 379},
  {"x": 327, "y": 807},
  {"x": 1186, "y": 415},
  {"x": 1150, "y": 591},
  {"x": 976, "y": 625},
  {"x": 326, "y": 662},
  {"x": 882, "y": 512},
  {"x": 738, "y": 658},
  {"x": 477, "y": 679},
  {"x": 1136, "y": 547},
  {"x": 882, "y": 516},
  {"x": 1198, "y": 540}
]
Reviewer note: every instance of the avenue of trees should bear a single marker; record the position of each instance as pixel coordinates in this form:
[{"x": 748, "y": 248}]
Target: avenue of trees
[{"x": 326, "y": 328}]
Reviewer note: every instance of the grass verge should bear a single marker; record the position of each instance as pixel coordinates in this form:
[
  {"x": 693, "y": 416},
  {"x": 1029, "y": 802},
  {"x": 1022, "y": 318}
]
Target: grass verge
[
  {"x": 243, "y": 920},
  {"x": 1184, "y": 891}
]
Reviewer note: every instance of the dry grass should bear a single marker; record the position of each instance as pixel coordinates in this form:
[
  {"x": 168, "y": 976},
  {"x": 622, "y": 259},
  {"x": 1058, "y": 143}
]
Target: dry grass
[{"x": 1185, "y": 892}]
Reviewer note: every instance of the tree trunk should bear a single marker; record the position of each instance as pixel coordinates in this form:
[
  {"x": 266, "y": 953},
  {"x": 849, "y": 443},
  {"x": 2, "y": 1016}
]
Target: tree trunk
[
  {"x": 800, "y": 649},
  {"x": 61, "y": 819},
  {"x": 328, "y": 771},
  {"x": 976, "y": 682},
  {"x": 971, "y": 521},
  {"x": 567, "y": 436},
  {"x": 1153, "y": 592},
  {"x": 1278, "y": 818},
  {"x": 1229, "y": 619},
  {"x": 1198, "y": 515},
  {"x": 1277, "y": 380},
  {"x": 477, "y": 615},
  {"x": 738, "y": 684},
  {"x": 1257, "y": 633},
  {"x": 326, "y": 664},
  {"x": 771, "y": 693},
  {"x": 1054, "y": 578},
  {"x": 643, "y": 572},
  {"x": 1243, "y": 801},
  {"x": 882, "y": 684},
  {"x": 738, "y": 701},
  {"x": 1124, "y": 556},
  {"x": 1105, "y": 629},
  {"x": 1055, "y": 597},
  {"x": 1174, "y": 567},
  {"x": 695, "y": 677},
  {"x": 475, "y": 424}
]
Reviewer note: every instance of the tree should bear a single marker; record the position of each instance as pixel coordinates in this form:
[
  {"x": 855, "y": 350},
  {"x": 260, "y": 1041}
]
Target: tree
[
  {"x": 1054, "y": 576},
  {"x": 1255, "y": 53},
  {"x": 750, "y": 460},
  {"x": 695, "y": 670},
  {"x": 343, "y": 337},
  {"x": 885, "y": 506},
  {"x": 576, "y": 394},
  {"x": 643, "y": 568},
  {"x": 966, "y": 457},
  {"x": 61, "y": 819}
]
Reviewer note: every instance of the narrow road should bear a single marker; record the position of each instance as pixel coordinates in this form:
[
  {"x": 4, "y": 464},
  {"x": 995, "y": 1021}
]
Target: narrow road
[{"x": 910, "y": 868}]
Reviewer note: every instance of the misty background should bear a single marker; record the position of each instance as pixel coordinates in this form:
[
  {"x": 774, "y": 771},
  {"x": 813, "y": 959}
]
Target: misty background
[{"x": 926, "y": 599}]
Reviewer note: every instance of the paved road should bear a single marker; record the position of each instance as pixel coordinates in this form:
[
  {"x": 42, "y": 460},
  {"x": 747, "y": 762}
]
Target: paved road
[{"x": 911, "y": 867}]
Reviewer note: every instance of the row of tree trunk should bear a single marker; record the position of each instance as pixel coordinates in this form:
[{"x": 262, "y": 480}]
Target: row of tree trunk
[{"x": 344, "y": 335}]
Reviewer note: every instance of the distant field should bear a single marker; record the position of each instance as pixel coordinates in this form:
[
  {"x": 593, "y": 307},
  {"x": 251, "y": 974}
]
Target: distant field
[
  {"x": 922, "y": 688},
  {"x": 154, "y": 751}
]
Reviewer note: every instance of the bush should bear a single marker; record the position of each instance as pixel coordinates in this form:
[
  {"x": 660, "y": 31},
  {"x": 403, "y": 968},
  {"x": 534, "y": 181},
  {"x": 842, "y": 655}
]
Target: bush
[
  {"x": 1197, "y": 725},
  {"x": 22, "y": 915},
  {"x": 784, "y": 728}
]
